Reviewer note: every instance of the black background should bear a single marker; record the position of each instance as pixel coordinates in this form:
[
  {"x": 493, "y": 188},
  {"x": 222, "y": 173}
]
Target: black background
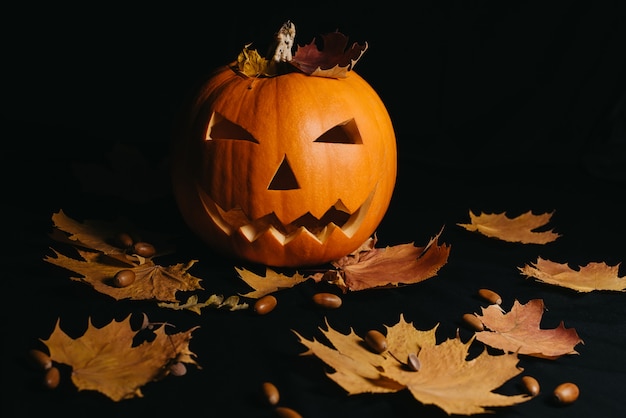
[{"x": 497, "y": 106}]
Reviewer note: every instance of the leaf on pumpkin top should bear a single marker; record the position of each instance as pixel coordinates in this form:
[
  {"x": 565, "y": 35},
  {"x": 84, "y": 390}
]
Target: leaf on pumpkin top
[
  {"x": 252, "y": 64},
  {"x": 370, "y": 267},
  {"x": 593, "y": 276},
  {"x": 104, "y": 359},
  {"x": 152, "y": 282},
  {"x": 519, "y": 331},
  {"x": 446, "y": 378},
  {"x": 334, "y": 60},
  {"x": 271, "y": 282},
  {"x": 518, "y": 229}
]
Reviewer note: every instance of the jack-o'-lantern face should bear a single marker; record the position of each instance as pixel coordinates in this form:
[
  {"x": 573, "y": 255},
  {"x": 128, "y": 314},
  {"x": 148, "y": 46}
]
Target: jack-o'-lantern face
[{"x": 291, "y": 170}]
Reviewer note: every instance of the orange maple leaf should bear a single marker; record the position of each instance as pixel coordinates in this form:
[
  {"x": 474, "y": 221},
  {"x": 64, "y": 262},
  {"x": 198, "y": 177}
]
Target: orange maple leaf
[
  {"x": 519, "y": 331},
  {"x": 522, "y": 228},
  {"x": 593, "y": 276},
  {"x": 152, "y": 281},
  {"x": 104, "y": 359},
  {"x": 270, "y": 283},
  {"x": 446, "y": 378},
  {"x": 370, "y": 267}
]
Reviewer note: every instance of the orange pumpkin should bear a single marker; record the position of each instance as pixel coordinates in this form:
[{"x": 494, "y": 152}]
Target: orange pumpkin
[{"x": 292, "y": 170}]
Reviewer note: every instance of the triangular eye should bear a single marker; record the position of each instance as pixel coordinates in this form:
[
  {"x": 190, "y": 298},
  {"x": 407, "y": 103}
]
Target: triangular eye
[
  {"x": 344, "y": 133},
  {"x": 221, "y": 128},
  {"x": 284, "y": 178}
]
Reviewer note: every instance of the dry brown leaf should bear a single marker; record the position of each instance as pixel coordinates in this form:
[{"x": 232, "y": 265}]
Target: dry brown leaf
[
  {"x": 104, "y": 359},
  {"x": 446, "y": 377},
  {"x": 97, "y": 237},
  {"x": 519, "y": 331},
  {"x": 270, "y": 283},
  {"x": 593, "y": 276},
  {"x": 101, "y": 236},
  {"x": 370, "y": 267},
  {"x": 522, "y": 228},
  {"x": 334, "y": 60},
  {"x": 152, "y": 282}
]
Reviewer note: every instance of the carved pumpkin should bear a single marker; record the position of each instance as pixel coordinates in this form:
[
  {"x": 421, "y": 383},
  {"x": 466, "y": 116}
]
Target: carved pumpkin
[{"x": 292, "y": 170}]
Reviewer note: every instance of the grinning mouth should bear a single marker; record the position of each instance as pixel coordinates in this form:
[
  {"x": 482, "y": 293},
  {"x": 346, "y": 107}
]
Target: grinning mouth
[{"x": 336, "y": 217}]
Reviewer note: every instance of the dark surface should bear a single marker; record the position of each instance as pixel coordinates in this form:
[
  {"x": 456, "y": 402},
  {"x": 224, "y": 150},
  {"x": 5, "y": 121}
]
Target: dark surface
[{"x": 497, "y": 108}]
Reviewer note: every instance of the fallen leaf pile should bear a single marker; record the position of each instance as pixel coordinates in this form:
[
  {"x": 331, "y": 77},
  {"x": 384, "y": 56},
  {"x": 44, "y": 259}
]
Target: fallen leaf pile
[
  {"x": 153, "y": 282},
  {"x": 105, "y": 360},
  {"x": 100, "y": 260},
  {"x": 446, "y": 378}
]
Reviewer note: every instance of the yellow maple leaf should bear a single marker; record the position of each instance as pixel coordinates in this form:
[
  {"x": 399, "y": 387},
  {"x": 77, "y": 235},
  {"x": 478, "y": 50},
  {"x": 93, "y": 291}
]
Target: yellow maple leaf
[
  {"x": 593, "y": 276},
  {"x": 522, "y": 228},
  {"x": 152, "y": 281},
  {"x": 101, "y": 236},
  {"x": 271, "y": 282},
  {"x": 87, "y": 235},
  {"x": 215, "y": 301},
  {"x": 446, "y": 377},
  {"x": 104, "y": 359},
  {"x": 519, "y": 331},
  {"x": 252, "y": 64}
]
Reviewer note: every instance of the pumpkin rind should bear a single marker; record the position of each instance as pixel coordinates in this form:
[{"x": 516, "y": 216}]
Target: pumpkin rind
[{"x": 276, "y": 121}]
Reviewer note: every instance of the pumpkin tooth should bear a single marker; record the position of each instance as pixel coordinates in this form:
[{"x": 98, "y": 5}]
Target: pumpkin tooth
[
  {"x": 216, "y": 213},
  {"x": 327, "y": 231},
  {"x": 297, "y": 233},
  {"x": 321, "y": 236},
  {"x": 355, "y": 220},
  {"x": 320, "y": 229},
  {"x": 252, "y": 233},
  {"x": 341, "y": 206}
]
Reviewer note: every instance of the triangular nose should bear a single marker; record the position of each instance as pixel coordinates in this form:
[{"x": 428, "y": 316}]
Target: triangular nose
[{"x": 284, "y": 178}]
